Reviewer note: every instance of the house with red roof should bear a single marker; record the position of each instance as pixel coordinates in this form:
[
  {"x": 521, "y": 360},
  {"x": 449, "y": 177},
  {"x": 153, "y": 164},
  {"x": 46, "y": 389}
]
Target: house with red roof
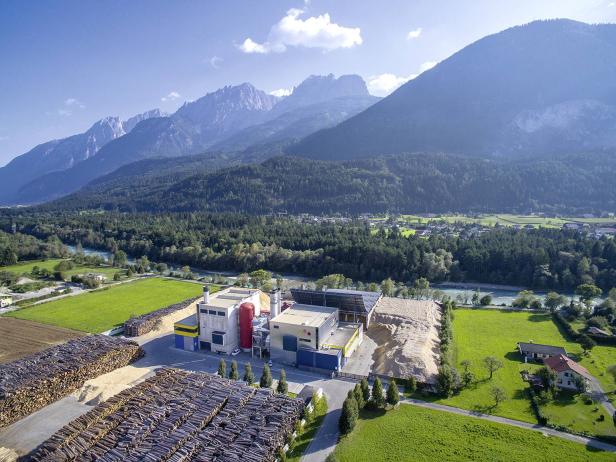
[{"x": 567, "y": 371}]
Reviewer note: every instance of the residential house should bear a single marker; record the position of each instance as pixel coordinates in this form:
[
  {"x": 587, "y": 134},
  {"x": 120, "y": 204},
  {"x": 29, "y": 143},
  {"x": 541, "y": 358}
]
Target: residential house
[
  {"x": 5, "y": 300},
  {"x": 568, "y": 372},
  {"x": 537, "y": 351}
]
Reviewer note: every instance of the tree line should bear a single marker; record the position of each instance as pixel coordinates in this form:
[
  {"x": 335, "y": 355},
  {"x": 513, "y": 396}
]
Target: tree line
[{"x": 536, "y": 258}]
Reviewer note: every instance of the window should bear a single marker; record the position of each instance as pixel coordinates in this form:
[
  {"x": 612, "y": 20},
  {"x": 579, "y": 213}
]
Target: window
[
  {"x": 218, "y": 338},
  {"x": 203, "y": 311},
  {"x": 305, "y": 340},
  {"x": 276, "y": 327},
  {"x": 211, "y": 312},
  {"x": 221, "y": 313}
]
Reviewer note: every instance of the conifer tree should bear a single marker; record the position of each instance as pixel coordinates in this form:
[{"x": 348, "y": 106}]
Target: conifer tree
[
  {"x": 222, "y": 368},
  {"x": 393, "y": 394},
  {"x": 266, "y": 377},
  {"x": 233, "y": 373},
  {"x": 377, "y": 393},
  {"x": 282, "y": 386},
  {"x": 249, "y": 377}
]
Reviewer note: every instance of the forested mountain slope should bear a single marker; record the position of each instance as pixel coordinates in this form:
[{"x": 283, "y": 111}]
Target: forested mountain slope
[{"x": 404, "y": 183}]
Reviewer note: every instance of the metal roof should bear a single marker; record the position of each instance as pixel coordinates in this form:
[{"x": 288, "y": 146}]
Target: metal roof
[
  {"x": 543, "y": 349},
  {"x": 345, "y": 300}
]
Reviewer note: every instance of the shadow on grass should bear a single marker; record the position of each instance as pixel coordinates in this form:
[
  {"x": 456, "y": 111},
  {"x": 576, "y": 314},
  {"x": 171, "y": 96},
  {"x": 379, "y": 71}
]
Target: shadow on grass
[
  {"x": 539, "y": 317},
  {"x": 369, "y": 414}
]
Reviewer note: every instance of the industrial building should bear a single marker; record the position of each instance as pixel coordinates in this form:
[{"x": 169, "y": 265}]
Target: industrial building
[
  {"x": 315, "y": 333},
  {"x": 308, "y": 335},
  {"x": 353, "y": 305}
]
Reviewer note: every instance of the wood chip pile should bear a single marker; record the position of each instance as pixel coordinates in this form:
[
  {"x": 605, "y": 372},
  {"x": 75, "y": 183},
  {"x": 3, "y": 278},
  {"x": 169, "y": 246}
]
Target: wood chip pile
[
  {"x": 141, "y": 325},
  {"x": 33, "y": 382},
  {"x": 179, "y": 416}
]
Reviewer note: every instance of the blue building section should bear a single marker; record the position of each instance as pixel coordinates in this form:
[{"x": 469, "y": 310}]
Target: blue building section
[
  {"x": 329, "y": 360},
  {"x": 179, "y": 342}
]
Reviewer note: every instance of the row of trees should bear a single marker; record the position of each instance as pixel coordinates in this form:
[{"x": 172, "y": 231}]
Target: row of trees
[
  {"x": 362, "y": 397},
  {"x": 537, "y": 258},
  {"x": 265, "y": 381}
]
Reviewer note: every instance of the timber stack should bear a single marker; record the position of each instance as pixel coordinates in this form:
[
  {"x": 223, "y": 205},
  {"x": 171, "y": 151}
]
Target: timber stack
[
  {"x": 141, "y": 325},
  {"x": 181, "y": 416},
  {"x": 33, "y": 382}
]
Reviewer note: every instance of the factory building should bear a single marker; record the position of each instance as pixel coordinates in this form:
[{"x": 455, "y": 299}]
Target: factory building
[
  {"x": 226, "y": 318},
  {"x": 186, "y": 333},
  {"x": 311, "y": 336},
  {"x": 353, "y": 305}
]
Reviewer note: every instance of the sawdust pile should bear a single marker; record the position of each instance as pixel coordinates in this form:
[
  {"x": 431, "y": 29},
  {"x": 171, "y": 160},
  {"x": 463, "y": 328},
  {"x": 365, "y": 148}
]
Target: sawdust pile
[{"x": 406, "y": 332}]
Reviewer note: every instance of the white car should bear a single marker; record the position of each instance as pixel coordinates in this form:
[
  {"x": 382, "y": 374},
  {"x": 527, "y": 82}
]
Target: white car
[
  {"x": 236, "y": 352},
  {"x": 270, "y": 363}
]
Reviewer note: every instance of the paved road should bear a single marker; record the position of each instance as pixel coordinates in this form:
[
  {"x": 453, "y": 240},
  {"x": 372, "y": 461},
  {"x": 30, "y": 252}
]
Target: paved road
[
  {"x": 600, "y": 395},
  {"x": 516, "y": 423}
]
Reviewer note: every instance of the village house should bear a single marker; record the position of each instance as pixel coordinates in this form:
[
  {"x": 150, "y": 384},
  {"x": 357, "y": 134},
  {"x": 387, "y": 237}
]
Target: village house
[
  {"x": 568, "y": 372},
  {"x": 536, "y": 351},
  {"x": 5, "y": 300}
]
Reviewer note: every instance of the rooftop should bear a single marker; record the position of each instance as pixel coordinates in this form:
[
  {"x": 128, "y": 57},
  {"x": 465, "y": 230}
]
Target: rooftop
[
  {"x": 563, "y": 363},
  {"x": 543, "y": 349},
  {"x": 343, "y": 299},
  {"x": 190, "y": 321},
  {"x": 341, "y": 336},
  {"x": 304, "y": 315},
  {"x": 228, "y": 298}
]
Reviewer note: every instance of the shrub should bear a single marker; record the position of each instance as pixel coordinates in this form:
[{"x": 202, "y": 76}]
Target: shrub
[
  {"x": 348, "y": 417},
  {"x": 282, "y": 386},
  {"x": 359, "y": 396},
  {"x": 233, "y": 373},
  {"x": 222, "y": 368},
  {"x": 411, "y": 384},
  {"x": 365, "y": 390},
  {"x": 266, "y": 377},
  {"x": 249, "y": 377}
]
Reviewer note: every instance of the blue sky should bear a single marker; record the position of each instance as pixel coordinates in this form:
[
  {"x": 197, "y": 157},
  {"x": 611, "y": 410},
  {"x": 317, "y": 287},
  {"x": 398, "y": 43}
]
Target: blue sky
[{"x": 69, "y": 63}]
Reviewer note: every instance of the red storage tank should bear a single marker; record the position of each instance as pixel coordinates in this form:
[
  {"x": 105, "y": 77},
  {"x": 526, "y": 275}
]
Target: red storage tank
[{"x": 247, "y": 314}]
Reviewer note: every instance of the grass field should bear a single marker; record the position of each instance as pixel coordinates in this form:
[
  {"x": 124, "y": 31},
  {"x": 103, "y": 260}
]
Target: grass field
[
  {"x": 412, "y": 433},
  {"x": 101, "y": 310},
  {"x": 26, "y": 267},
  {"x": 509, "y": 220},
  {"x": 481, "y": 333}
]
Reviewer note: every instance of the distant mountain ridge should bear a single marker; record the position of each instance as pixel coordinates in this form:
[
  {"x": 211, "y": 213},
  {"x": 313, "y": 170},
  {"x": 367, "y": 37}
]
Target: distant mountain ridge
[
  {"x": 539, "y": 89},
  {"x": 411, "y": 183},
  {"x": 63, "y": 154},
  {"x": 212, "y": 123}
]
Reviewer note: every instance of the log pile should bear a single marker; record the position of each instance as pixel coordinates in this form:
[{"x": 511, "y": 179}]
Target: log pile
[
  {"x": 141, "y": 325},
  {"x": 33, "y": 382},
  {"x": 179, "y": 416}
]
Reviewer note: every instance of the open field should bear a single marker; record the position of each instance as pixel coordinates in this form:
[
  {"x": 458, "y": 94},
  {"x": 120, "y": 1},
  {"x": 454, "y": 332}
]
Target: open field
[
  {"x": 412, "y": 433},
  {"x": 101, "y": 310},
  {"x": 19, "y": 338},
  {"x": 26, "y": 267},
  {"x": 481, "y": 333},
  {"x": 509, "y": 220}
]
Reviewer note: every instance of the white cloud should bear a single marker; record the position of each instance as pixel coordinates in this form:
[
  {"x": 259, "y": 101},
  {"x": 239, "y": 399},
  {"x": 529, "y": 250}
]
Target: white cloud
[
  {"x": 249, "y": 46},
  {"x": 282, "y": 92},
  {"x": 384, "y": 84},
  {"x": 171, "y": 96},
  {"x": 73, "y": 102},
  {"x": 215, "y": 62},
  {"x": 611, "y": 4},
  {"x": 4, "y": 138},
  {"x": 64, "y": 112},
  {"x": 415, "y": 33},
  {"x": 313, "y": 32}
]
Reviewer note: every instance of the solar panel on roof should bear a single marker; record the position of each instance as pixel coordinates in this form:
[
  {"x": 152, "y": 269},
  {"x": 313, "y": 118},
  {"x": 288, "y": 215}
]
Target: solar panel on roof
[{"x": 345, "y": 300}]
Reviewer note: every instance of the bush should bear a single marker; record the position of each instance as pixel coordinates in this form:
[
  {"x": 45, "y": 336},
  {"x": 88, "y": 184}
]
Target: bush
[
  {"x": 282, "y": 386},
  {"x": 485, "y": 300},
  {"x": 359, "y": 396},
  {"x": 541, "y": 418},
  {"x": 233, "y": 373},
  {"x": 266, "y": 377},
  {"x": 411, "y": 385},
  {"x": 447, "y": 380}
]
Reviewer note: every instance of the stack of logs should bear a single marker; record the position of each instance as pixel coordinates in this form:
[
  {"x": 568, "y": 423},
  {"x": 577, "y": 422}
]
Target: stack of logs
[
  {"x": 180, "y": 416},
  {"x": 33, "y": 382},
  {"x": 141, "y": 325}
]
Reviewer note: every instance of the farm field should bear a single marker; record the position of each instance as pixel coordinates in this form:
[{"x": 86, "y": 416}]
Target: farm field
[
  {"x": 103, "y": 309},
  {"x": 19, "y": 338},
  {"x": 418, "y": 434},
  {"x": 26, "y": 267},
  {"x": 481, "y": 333},
  {"x": 509, "y": 220}
]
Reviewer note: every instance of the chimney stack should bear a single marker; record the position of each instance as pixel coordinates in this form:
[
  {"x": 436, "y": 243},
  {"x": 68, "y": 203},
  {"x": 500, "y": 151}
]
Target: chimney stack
[
  {"x": 206, "y": 295},
  {"x": 274, "y": 303}
]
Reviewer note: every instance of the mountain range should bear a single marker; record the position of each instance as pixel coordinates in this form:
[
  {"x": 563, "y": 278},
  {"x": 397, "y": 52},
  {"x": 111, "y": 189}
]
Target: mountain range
[
  {"x": 522, "y": 119},
  {"x": 227, "y": 120},
  {"x": 547, "y": 87}
]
